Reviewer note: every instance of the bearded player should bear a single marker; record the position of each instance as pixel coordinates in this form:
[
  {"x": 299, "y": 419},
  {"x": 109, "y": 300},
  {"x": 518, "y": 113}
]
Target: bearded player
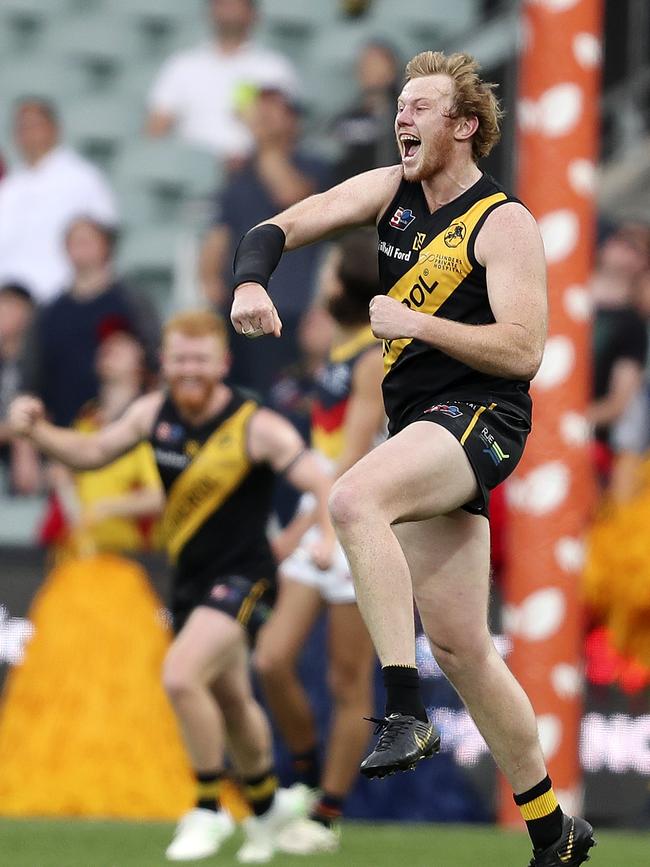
[
  {"x": 217, "y": 453},
  {"x": 463, "y": 318}
]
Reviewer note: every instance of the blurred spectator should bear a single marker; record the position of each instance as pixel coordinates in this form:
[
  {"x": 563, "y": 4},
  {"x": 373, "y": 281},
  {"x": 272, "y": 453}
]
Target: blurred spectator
[
  {"x": 620, "y": 335},
  {"x": 292, "y": 391},
  {"x": 16, "y": 311},
  {"x": 276, "y": 176},
  {"x": 366, "y": 131},
  {"x": 39, "y": 199},
  {"x": 197, "y": 90},
  {"x": 58, "y": 363},
  {"x": 110, "y": 509}
]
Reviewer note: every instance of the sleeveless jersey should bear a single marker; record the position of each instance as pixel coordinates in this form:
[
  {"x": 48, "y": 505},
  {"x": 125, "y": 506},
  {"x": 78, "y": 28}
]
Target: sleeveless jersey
[
  {"x": 218, "y": 501},
  {"x": 333, "y": 384},
  {"x": 427, "y": 261}
]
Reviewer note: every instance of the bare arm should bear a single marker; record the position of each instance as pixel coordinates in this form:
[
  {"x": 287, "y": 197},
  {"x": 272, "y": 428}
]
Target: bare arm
[
  {"x": 510, "y": 247},
  {"x": 213, "y": 255},
  {"x": 81, "y": 451},
  {"x": 358, "y": 201},
  {"x": 365, "y": 411},
  {"x": 624, "y": 382},
  {"x": 272, "y": 439}
]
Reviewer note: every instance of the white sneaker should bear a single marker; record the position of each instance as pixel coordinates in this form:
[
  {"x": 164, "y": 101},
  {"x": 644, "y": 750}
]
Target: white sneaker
[
  {"x": 262, "y": 831},
  {"x": 200, "y": 833},
  {"x": 307, "y": 837}
]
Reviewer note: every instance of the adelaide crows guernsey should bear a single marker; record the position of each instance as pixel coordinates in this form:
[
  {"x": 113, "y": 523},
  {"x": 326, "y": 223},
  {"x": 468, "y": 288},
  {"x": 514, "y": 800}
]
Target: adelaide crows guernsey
[
  {"x": 218, "y": 500},
  {"x": 333, "y": 383},
  {"x": 427, "y": 262}
]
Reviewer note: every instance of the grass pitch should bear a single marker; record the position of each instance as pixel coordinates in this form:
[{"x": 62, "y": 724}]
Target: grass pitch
[{"x": 41, "y": 843}]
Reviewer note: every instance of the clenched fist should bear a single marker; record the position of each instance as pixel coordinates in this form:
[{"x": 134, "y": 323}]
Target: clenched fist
[
  {"x": 253, "y": 314},
  {"x": 390, "y": 319},
  {"x": 24, "y": 413}
]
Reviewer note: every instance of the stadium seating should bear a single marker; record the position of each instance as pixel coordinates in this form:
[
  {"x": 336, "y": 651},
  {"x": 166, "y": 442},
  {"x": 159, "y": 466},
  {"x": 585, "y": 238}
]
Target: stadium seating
[{"x": 96, "y": 60}]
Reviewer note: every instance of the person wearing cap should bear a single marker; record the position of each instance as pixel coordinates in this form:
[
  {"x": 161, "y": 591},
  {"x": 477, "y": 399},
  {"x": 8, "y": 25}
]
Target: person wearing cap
[
  {"x": 277, "y": 175},
  {"x": 196, "y": 90},
  {"x": 59, "y": 358}
]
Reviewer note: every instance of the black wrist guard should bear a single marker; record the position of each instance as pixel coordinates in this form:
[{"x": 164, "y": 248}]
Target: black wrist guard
[{"x": 258, "y": 254}]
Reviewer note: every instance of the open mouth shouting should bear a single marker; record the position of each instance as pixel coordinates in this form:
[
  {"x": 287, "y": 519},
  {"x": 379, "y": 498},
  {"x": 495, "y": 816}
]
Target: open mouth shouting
[{"x": 410, "y": 145}]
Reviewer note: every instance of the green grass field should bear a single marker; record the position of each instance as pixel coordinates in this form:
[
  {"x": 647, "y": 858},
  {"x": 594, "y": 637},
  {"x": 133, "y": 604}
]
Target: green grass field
[{"x": 116, "y": 844}]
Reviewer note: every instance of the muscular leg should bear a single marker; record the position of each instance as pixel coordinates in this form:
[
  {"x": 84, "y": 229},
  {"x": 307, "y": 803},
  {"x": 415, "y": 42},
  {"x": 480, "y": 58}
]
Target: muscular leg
[
  {"x": 193, "y": 662},
  {"x": 276, "y": 653},
  {"x": 419, "y": 473},
  {"x": 448, "y": 558},
  {"x": 351, "y": 659}
]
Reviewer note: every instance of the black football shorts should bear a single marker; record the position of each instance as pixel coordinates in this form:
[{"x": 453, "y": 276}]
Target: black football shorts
[
  {"x": 246, "y": 600},
  {"x": 492, "y": 435}
]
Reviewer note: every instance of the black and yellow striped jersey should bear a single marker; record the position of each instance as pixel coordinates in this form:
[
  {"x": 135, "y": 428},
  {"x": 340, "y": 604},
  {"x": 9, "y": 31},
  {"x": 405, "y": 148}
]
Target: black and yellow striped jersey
[
  {"x": 218, "y": 500},
  {"x": 427, "y": 261}
]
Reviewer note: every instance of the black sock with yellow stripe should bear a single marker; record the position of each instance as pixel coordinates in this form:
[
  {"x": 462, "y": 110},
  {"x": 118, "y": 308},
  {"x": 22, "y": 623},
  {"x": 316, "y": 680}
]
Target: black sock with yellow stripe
[
  {"x": 260, "y": 791},
  {"x": 542, "y": 813},
  {"x": 208, "y": 789}
]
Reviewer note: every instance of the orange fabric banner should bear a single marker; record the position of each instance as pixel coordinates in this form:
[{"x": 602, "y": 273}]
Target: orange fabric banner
[{"x": 551, "y": 494}]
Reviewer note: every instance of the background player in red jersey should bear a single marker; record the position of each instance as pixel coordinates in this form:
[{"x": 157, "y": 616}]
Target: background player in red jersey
[{"x": 410, "y": 515}]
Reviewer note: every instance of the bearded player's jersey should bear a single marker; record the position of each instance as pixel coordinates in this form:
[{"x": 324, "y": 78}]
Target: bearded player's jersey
[
  {"x": 427, "y": 261},
  {"x": 333, "y": 387},
  {"x": 218, "y": 500}
]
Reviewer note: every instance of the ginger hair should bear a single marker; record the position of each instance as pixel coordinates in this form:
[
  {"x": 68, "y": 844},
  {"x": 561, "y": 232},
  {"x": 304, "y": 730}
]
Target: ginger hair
[
  {"x": 471, "y": 96},
  {"x": 197, "y": 323}
]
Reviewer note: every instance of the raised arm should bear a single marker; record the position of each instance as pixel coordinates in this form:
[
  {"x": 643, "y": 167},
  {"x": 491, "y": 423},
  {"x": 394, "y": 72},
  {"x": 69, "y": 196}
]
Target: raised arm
[
  {"x": 510, "y": 248},
  {"x": 82, "y": 451},
  {"x": 358, "y": 201}
]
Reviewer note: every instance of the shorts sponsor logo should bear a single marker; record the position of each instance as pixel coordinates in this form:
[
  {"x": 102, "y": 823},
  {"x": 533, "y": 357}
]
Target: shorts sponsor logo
[
  {"x": 493, "y": 449},
  {"x": 402, "y": 218},
  {"x": 446, "y": 408},
  {"x": 455, "y": 234},
  {"x": 220, "y": 592}
]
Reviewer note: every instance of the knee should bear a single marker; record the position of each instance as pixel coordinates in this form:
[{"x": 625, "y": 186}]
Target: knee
[
  {"x": 348, "y": 685},
  {"x": 460, "y": 655},
  {"x": 177, "y": 681},
  {"x": 271, "y": 665},
  {"x": 348, "y": 502}
]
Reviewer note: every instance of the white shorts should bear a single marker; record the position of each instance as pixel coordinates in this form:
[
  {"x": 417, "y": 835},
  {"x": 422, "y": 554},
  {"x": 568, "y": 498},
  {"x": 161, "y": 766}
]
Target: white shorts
[{"x": 334, "y": 584}]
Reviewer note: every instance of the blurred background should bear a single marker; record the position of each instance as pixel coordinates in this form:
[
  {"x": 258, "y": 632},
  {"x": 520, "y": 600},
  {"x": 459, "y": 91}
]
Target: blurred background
[{"x": 139, "y": 139}]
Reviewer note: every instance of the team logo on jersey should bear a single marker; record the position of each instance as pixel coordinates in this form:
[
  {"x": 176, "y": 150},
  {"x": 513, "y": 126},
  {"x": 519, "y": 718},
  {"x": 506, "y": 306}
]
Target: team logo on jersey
[
  {"x": 445, "y": 408},
  {"x": 169, "y": 432},
  {"x": 402, "y": 218},
  {"x": 419, "y": 240},
  {"x": 455, "y": 234}
]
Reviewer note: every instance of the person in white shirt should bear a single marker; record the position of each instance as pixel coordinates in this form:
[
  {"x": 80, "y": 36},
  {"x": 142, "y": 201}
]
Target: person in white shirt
[
  {"x": 197, "y": 91},
  {"x": 40, "y": 198}
]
